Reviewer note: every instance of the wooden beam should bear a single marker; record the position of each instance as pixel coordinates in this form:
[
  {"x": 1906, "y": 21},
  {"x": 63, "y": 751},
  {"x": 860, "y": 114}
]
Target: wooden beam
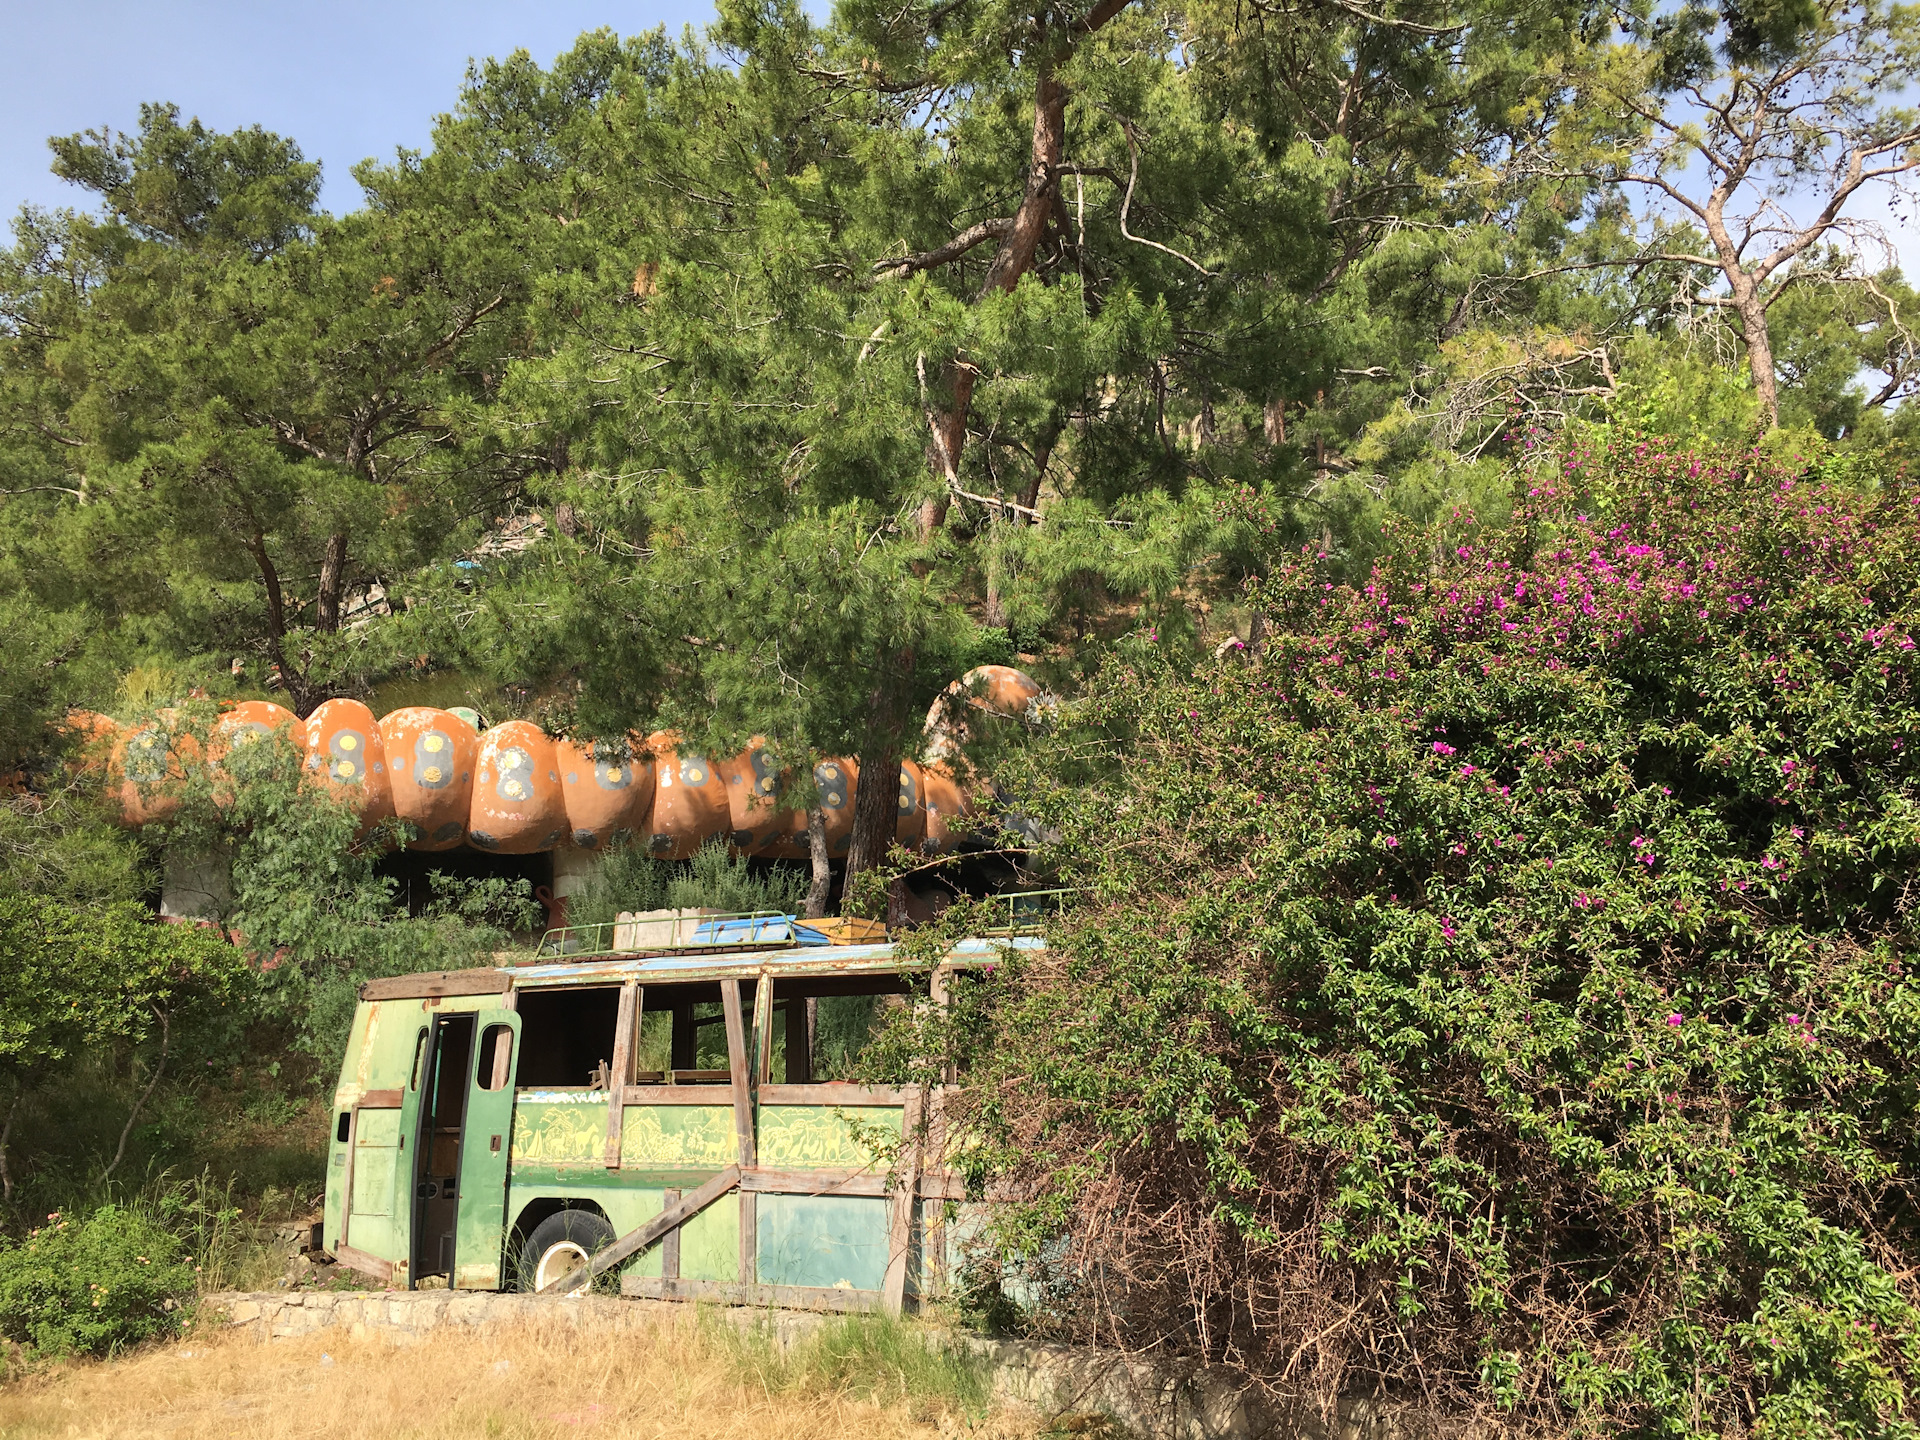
[
  {"x": 767, "y": 1180},
  {"x": 799, "y": 1058},
  {"x": 437, "y": 983},
  {"x": 763, "y": 1030},
  {"x": 832, "y": 1094},
  {"x": 623, "y": 1030},
  {"x": 740, "y": 1060},
  {"x": 737, "y": 1063},
  {"x": 369, "y": 1265},
  {"x": 903, "y": 1202},
  {"x": 670, "y": 1242},
  {"x": 634, "y": 1241}
]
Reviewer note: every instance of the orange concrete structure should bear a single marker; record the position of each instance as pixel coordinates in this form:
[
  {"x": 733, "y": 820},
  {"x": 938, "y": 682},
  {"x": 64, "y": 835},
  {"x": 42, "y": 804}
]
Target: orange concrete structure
[
  {"x": 689, "y": 800},
  {"x": 518, "y": 806},
  {"x": 514, "y": 790},
  {"x": 344, "y": 751},
  {"x": 608, "y": 790},
  {"x": 431, "y": 758}
]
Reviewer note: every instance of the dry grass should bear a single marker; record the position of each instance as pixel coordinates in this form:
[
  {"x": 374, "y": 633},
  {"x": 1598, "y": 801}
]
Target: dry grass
[{"x": 522, "y": 1383}]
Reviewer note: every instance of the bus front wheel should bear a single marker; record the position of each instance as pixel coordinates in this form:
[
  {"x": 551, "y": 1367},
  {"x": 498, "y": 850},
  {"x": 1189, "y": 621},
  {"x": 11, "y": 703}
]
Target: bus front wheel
[{"x": 561, "y": 1244}]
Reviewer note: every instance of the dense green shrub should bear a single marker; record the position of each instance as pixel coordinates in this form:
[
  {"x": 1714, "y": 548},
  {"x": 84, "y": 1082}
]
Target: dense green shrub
[
  {"x": 1499, "y": 988},
  {"x": 712, "y": 879},
  {"x": 93, "y": 1286}
]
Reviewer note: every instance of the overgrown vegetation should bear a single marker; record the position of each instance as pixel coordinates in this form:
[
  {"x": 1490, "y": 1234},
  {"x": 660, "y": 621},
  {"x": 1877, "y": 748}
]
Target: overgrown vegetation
[
  {"x": 94, "y": 1286},
  {"x": 1494, "y": 986},
  {"x": 629, "y": 879},
  {"x": 1497, "y": 985}
]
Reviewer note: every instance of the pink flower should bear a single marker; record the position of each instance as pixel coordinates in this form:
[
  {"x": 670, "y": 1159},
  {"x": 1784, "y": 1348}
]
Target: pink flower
[
  {"x": 1393, "y": 842},
  {"x": 1440, "y": 747},
  {"x": 1676, "y": 1018}
]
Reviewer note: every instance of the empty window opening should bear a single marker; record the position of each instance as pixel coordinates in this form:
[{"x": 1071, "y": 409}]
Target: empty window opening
[
  {"x": 566, "y": 1037},
  {"x": 822, "y": 1027},
  {"x": 682, "y": 1038},
  {"x": 496, "y": 1057}
]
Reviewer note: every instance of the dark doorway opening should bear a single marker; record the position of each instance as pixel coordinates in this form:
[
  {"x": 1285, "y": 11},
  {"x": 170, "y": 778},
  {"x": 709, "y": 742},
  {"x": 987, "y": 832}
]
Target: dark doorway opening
[{"x": 436, "y": 1176}]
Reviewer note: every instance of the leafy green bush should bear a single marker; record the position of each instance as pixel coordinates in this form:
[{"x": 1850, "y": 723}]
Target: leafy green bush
[
  {"x": 713, "y": 879},
  {"x": 93, "y": 1286},
  {"x": 1500, "y": 988}
]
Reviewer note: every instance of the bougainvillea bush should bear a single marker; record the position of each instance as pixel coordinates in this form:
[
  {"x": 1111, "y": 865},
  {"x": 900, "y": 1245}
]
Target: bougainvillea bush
[{"x": 1498, "y": 989}]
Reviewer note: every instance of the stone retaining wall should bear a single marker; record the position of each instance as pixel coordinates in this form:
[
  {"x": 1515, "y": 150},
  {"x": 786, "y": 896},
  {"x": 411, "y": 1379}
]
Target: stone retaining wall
[{"x": 1159, "y": 1401}]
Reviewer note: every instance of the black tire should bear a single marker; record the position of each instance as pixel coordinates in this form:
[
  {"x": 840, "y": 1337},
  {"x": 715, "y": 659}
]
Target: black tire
[{"x": 561, "y": 1242}]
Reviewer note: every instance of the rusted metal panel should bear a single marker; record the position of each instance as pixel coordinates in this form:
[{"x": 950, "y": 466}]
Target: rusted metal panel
[{"x": 382, "y": 1099}]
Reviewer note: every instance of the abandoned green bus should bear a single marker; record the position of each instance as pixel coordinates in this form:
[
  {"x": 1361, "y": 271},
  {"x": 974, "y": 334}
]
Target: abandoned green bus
[{"x": 684, "y": 1113}]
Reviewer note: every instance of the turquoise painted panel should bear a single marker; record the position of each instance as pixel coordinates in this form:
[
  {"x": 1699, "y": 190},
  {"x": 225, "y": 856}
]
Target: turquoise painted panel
[{"x": 829, "y": 1241}]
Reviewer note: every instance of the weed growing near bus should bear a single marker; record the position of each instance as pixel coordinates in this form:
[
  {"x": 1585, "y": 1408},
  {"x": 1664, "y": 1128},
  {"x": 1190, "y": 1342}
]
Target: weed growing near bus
[
  {"x": 1500, "y": 987},
  {"x": 94, "y": 1286}
]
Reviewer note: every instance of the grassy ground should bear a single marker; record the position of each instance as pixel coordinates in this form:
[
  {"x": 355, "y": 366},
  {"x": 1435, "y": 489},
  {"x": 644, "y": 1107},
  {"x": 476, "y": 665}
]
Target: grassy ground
[{"x": 684, "y": 1379}]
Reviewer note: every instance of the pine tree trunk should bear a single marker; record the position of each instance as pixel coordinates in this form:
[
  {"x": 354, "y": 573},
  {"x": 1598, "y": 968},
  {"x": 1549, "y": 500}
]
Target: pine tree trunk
[
  {"x": 1753, "y": 327},
  {"x": 333, "y": 579},
  {"x": 822, "y": 885},
  {"x": 876, "y": 803}
]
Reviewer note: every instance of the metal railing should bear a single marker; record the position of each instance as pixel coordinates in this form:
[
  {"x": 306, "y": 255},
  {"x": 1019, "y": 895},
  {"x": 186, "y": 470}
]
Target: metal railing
[
  {"x": 1026, "y": 910},
  {"x": 687, "y": 930}
]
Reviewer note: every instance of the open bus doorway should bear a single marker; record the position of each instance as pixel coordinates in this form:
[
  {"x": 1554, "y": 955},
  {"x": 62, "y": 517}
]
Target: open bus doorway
[{"x": 436, "y": 1187}]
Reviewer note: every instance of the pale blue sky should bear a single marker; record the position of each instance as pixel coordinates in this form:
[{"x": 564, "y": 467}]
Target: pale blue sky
[{"x": 347, "y": 79}]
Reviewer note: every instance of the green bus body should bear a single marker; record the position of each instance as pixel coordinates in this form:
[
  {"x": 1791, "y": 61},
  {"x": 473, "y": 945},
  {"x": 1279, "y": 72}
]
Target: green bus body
[{"x": 443, "y": 1160}]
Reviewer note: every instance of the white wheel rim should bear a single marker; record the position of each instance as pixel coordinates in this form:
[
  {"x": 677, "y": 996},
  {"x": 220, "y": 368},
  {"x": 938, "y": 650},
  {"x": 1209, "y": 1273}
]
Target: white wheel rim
[{"x": 559, "y": 1261}]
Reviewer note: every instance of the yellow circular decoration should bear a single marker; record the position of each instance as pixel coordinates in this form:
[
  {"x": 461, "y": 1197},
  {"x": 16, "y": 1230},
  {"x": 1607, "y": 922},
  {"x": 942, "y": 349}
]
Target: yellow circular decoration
[
  {"x": 435, "y": 744},
  {"x": 431, "y": 774},
  {"x": 513, "y": 789},
  {"x": 344, "y": 769},
  {"x": 347, "y": 742}
]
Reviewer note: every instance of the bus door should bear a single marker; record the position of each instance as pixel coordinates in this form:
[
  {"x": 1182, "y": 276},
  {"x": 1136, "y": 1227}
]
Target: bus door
[{"x": 486, "y": 1145}]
